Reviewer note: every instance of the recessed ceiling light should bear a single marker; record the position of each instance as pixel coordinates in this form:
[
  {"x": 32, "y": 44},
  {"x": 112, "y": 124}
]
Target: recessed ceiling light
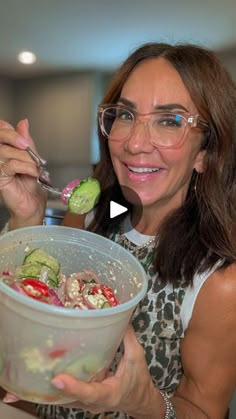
[{"x": 26, "y": 57}]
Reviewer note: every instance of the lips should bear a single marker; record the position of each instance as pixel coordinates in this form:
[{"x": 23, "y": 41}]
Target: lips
[
  {"x": 138, "y": 173},
  {"x": 135, "y": 169}
]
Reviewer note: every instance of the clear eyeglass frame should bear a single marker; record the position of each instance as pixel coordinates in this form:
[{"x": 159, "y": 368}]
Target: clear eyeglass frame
[{"x": 190, "y": 120}]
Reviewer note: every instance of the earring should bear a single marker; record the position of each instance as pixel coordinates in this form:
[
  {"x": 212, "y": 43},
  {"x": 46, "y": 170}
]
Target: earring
[{"x": 195, "y": 184}]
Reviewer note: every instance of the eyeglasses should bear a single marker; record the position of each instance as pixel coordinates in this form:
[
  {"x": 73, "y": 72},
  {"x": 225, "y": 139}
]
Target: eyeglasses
[{"x": 165, "y": 129}]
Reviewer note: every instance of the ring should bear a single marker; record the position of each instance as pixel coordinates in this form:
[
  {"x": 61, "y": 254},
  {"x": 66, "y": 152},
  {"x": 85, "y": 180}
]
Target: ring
[{"x": 2, "y": 173}]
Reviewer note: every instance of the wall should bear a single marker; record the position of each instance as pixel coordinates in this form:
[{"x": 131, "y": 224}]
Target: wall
[
  {"x": 59, "y": 109},
  {"x": 6, "y": 99},
  {"x": 61, "y": 113},
  {"x": 228, "y": 56}
]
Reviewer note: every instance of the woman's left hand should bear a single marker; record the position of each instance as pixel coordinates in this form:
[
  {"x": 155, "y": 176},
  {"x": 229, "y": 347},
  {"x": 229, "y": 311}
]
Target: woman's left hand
[{"x": 130, "y": 389}]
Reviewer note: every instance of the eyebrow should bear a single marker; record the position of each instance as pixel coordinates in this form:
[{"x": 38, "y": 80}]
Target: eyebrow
[{"x": 167, "y": 106}]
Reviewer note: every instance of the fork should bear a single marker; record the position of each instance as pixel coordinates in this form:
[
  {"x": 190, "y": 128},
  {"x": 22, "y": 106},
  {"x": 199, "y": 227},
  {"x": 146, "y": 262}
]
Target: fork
[{"x": 44, "y": 177}]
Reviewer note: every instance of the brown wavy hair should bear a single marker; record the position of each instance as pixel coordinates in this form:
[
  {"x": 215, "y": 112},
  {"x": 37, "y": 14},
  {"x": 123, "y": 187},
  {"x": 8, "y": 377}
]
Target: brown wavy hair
[{"x": 202, "y": 231}]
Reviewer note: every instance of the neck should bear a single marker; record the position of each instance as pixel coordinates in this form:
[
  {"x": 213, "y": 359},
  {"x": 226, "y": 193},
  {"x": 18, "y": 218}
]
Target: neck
[
  {"x": 146, "y": 224},
  {"x": 147, "y": 220}
]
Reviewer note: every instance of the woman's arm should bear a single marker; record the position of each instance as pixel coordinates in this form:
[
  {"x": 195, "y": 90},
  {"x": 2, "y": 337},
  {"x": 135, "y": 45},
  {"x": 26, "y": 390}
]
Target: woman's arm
[{"x": 209, "y": 348}]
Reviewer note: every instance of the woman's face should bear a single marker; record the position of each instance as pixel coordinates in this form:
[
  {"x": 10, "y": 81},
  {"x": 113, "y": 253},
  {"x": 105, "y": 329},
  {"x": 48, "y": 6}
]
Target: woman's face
[{"x": 152, "y": 84}]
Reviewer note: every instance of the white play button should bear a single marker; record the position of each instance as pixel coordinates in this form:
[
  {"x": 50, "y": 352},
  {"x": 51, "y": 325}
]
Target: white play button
[{"x": 116, "y": 209}]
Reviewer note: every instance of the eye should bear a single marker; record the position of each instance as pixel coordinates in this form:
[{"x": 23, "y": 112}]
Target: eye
[
  {"x": 169, "y": 120},
  {"x": 124, "y": 114}
]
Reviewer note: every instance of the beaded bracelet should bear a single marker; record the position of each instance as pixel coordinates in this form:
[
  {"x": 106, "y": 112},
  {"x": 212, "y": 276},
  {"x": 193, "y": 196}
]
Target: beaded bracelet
[{"x": 170, "y": 410}]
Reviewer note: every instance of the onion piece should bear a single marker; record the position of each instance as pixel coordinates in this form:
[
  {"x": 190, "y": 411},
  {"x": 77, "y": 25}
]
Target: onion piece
[
  {"x": 54, "y": 299},
  {"x": 67, "y": 190},
  {"x": 15, "y": 286}
]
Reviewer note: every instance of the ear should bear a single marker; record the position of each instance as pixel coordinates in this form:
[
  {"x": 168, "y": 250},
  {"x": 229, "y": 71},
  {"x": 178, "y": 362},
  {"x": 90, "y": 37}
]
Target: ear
[{"x": 199, "y": 161}]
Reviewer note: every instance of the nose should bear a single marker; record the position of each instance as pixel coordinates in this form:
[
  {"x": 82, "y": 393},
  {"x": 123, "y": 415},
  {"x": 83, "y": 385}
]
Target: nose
[{"x": 139, "y": 139}]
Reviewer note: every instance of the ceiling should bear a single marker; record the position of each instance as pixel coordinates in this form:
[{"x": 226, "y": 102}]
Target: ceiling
[{"x": 99, "y": 34}]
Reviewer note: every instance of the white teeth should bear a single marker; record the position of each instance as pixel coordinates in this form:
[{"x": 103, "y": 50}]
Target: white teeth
[{"x": 143, "y": 169}]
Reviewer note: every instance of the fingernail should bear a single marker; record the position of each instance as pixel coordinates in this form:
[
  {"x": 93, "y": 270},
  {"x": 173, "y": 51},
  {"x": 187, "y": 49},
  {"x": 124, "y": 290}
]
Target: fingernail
[
  {"x": 6, "y": 126},
  {"x": 22, "y": 142},
  {"x": 58, "y": 383},
  {"x": 10, "y": 398},
  {"x": 27, "y": 122}
]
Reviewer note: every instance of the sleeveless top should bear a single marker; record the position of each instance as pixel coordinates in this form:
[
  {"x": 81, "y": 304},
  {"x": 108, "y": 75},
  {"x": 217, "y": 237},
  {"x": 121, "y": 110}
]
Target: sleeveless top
[{"x": 159, "y": 321}]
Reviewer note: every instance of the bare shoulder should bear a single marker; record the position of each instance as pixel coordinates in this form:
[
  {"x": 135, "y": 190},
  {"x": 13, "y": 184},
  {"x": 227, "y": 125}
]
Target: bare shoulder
[
  {"x": 221, "y": 286},
  {"x": 226, "y": 276},
  {"x": 216, "y": 302},
  {"x": 209, "y": 345}
]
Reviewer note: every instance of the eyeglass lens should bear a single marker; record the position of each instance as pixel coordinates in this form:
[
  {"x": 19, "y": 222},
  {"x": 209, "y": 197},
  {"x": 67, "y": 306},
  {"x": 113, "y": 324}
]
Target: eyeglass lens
[{"x": 165, "y": 128}]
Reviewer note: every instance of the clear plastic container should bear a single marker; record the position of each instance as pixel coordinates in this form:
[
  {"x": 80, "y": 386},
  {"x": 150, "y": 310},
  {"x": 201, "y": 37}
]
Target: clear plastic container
[{"x": 38, "y": 340}]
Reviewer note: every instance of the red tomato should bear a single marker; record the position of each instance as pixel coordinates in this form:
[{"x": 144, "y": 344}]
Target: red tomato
[
  {"x": 35, "y": 288},
  {"x": 57, "y": 353},
  {"x": 109, "y": 294}
]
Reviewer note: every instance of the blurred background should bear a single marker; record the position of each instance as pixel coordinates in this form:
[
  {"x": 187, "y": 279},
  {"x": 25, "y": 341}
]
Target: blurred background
[{"x": 78, "y": 44}]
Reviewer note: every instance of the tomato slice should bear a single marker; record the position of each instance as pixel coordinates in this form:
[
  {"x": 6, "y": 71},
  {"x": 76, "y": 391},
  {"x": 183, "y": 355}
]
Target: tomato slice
[
  {"x": 107, "y": 292},
  {"x": 57, "y": 353},
  {"x": 35, "y": 288}
]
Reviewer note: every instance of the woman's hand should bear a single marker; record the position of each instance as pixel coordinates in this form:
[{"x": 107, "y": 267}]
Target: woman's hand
[
  {"x": 20, "y": 192},
  {"x": 130, "y": 389}
]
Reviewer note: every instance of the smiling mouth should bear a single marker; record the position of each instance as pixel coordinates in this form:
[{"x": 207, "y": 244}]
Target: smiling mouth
[{"x": 143, "y": 169}]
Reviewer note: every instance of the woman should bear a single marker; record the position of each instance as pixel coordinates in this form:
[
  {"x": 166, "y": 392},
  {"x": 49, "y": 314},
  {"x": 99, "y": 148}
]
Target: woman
[{"x": 167, "y": 134}]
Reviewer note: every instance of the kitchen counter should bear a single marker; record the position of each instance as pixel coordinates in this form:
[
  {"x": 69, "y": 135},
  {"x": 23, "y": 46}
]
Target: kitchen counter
[{"x": 10, "y": 412}]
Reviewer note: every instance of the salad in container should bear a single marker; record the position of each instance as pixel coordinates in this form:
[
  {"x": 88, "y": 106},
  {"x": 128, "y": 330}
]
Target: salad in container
[{"x": 66, "y": 298}]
